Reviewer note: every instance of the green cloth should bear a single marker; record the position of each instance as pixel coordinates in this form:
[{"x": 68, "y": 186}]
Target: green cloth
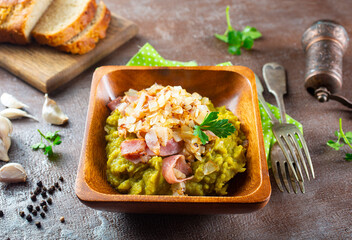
[{"x": 148, "y": 56}]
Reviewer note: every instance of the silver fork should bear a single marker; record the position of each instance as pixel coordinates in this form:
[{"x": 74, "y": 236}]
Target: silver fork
[
  {"x": 276, "y": 154},
  {"x": 278, "y": 157},
  {"x": 286, "y": 134}
]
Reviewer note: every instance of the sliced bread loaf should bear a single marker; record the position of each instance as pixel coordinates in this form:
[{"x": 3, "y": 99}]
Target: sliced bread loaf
[
  {"x": 86, "y": 40},
  {"x": 18, "y": 17},
  {"x": 63, "y": 20}
]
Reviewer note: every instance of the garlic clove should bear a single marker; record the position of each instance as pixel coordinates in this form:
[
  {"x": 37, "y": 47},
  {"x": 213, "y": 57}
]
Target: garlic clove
[
  {"x": 11, "y": 102},
  {"x": 13, "y": 113},
  {"x": 5, "y": 126},
  {"x": 12, "y": 173},
  {"x": 52, "y": 113},
  {"x": 5, "y": 140},
  {"x": 3, "y": 152}
]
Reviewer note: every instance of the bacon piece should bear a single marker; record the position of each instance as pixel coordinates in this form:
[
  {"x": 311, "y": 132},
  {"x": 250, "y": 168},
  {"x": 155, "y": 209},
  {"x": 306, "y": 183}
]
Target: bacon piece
[
  {"x": 152, "y": 141},
  {"x": 133, "y": 149},
  {"x": 138, "y": 159},
  {"x": 177, "y": 162},
  {"x": 114, "y": 103},
  {"x": 172, "y": 147}
]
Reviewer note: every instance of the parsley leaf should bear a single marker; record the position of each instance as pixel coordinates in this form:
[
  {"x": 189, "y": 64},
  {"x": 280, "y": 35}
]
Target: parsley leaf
[
  {"x": 51, "y": 138},
  {"x": 251, "y": 32},
  {"x": 237, "y": 39},
  {"x": 203, "y": 137},
  {"x": 348, "y": 157},
  {"x": 221, "y": 128},
  {"x": 347, "y": 138},
  {"x": 335, "y": 145}
]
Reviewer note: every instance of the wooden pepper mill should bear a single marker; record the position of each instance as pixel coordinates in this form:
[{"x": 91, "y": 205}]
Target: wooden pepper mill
[{"x": 324, "y": 43}]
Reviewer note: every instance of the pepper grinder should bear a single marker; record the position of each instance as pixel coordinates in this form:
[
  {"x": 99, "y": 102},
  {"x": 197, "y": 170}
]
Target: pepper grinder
[{"x": 324, "y": 43}]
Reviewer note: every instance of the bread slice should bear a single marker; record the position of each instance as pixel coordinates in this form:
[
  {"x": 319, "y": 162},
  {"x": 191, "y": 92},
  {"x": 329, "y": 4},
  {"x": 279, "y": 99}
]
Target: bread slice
[
  {"x": 86, "y": 40},
  {"x": 63, "y": 20},
  {"x": 18, "y": 17}
]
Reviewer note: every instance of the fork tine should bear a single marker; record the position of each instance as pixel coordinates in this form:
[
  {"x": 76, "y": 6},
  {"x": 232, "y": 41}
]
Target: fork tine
[
  {"x": 292, "y": 151},
  {"x": 293, "y": 180},
  {"x": 299, "y": 151},
  {"x": 285, "y": 152},
  {"x": 301, "y": 186},
  {"x": 306, "y": 152},
  {"x": 284, "y": 177},
  {"x": 276, "y": 175}
]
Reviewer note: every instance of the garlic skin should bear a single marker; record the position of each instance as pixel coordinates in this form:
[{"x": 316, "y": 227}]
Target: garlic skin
[
  {"x": 51, "y": 112},
  {"x": 11, "y": 102},
  {"x": 12, "y": 173},
  {"x": 13, "y": 113},
  {"x": 5, "y": 140}
]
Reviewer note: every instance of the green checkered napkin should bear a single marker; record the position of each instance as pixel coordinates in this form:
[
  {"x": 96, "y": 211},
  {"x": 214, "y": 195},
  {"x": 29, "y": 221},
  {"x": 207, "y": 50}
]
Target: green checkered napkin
[{"x": 148, "y": 56}]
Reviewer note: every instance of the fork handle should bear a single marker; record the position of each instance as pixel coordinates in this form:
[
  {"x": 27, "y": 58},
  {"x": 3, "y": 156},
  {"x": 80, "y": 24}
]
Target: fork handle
[
  {"x": 267, "y": 109},
  {"x": 280, "y": 102}
]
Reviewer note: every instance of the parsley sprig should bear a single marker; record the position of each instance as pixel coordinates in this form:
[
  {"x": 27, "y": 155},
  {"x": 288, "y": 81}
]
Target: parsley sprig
[
  {"x": 221, "y": 128},
  {"x": 52, "y": 140},
  {"x": 237, "y": 39},
  {"x": 347, "y": 138}
]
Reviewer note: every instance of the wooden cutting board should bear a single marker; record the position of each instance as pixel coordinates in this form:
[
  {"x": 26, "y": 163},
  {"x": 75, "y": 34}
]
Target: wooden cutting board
[{"x": 46, "y": 68}]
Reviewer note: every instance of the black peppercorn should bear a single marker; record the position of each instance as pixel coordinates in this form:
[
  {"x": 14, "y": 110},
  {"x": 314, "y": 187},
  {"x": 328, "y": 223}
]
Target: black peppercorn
[
  {"x": 50, "y": 201},
  {"x": 44, "y": 189},
  {"x": 44, "y": 195},
  {"x": 42, "y": 214},
  {"x": 45, "y": 208},
  {"x": 61, "y": 178},
  {"x": 51, "y": 190},
  {"x": 40, "y": 184},
  {"x": 42, "y": 203},
  {"x": 38, "y": 224},
  {"x": 29, "y": 218},
  {"x": 62, "y": 219},
  {"x": 1, "y": 213},
  {"x": 34, "y": 212},
  {"x": 34, "y": 198},
  {"x": 37, "y": 191},
  {"x": 56, "y": 184},
  {"x": 37, "y": 208},
  {"x": 59, "y": 189},
  {"x": 22, "y": 214},
  {"x": 30, "y": 208}
]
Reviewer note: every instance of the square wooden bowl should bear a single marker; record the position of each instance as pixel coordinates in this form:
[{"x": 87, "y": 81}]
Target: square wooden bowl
[{"x": 231, "y": 86}]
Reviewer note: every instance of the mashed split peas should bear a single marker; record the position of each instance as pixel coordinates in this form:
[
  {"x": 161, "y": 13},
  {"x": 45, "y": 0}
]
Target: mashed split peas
[{"x": 227, "y": 154}]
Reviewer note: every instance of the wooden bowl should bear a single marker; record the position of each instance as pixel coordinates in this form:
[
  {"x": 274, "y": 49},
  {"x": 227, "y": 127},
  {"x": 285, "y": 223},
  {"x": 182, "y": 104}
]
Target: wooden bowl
[{"x": 231, "y": 86}]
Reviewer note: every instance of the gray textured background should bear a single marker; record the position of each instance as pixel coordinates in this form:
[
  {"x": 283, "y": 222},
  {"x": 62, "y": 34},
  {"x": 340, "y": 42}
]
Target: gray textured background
[{"x": 183, "y": 30}]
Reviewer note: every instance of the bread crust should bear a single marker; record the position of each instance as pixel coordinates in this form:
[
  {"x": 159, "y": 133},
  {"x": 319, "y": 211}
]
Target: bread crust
[
  {"x": 12, "y": 28},
  {"x": 70, "y": 31},
  {"x": 87, "y": 42}
]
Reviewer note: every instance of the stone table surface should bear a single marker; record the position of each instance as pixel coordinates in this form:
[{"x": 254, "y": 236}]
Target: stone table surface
[{"x": 183, "y": 30}]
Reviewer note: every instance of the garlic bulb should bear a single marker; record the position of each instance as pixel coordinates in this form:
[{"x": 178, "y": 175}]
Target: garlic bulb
[
  {"x": 11, "y": 102},
  {"x": 12, "y": 173},
  {"x": 5, "y": 140},
  {"x": 13, "y": 113},
  {"x": 52, "y": 113}
]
